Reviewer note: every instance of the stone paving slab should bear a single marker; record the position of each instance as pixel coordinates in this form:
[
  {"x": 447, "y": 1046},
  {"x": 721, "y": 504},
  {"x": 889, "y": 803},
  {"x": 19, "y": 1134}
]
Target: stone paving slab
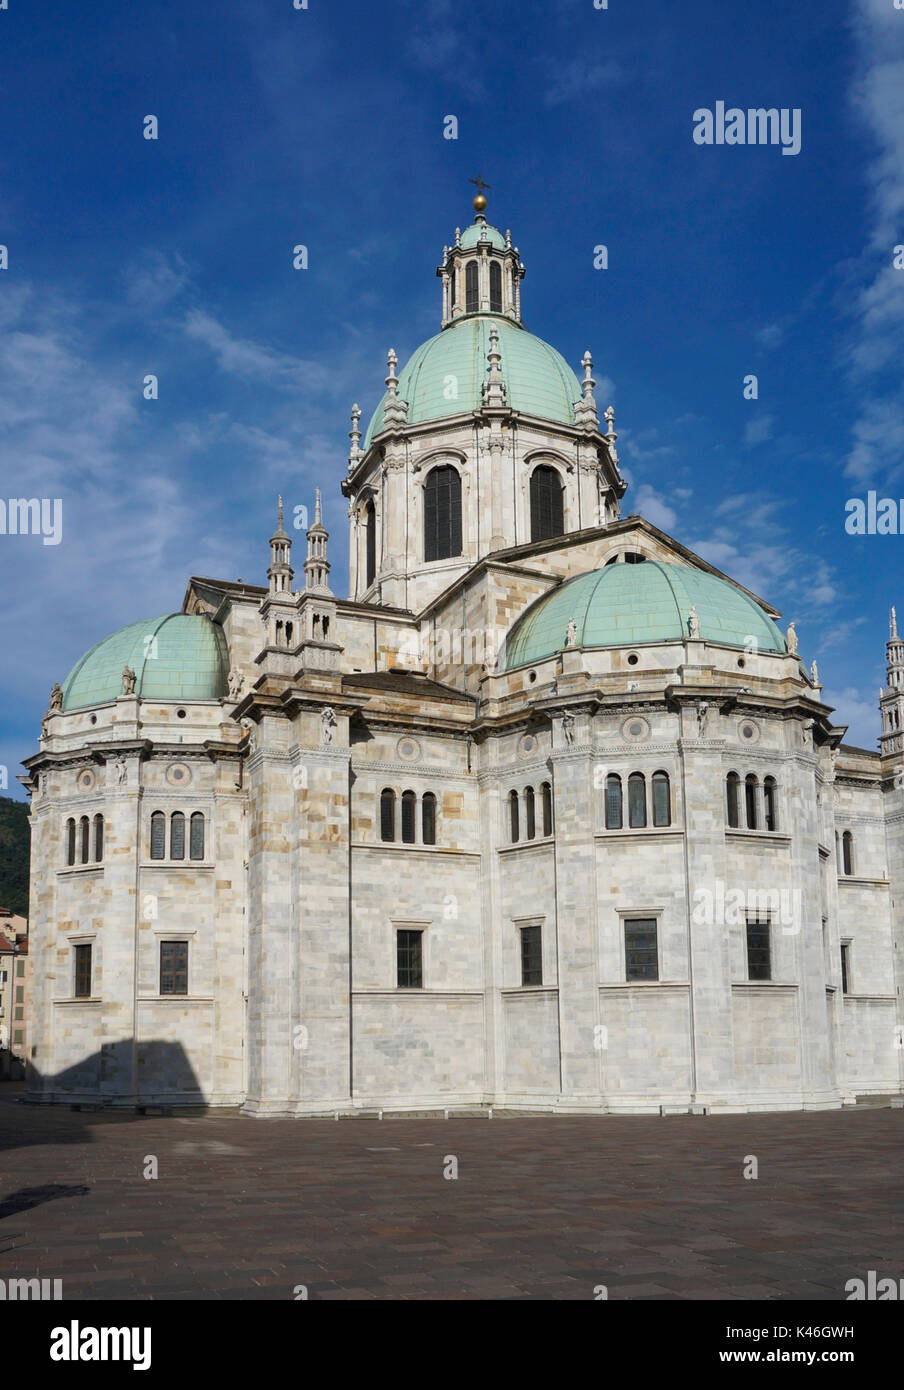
[{"x": 543, "y": 1207}]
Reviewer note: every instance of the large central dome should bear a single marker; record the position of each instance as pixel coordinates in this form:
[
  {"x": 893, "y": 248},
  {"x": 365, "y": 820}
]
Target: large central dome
[{"x": 446, "y": 374}]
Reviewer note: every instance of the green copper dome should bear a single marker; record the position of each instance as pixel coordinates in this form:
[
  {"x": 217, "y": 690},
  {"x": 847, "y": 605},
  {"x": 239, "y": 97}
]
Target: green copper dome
[
  {"x": 471, "y": 236},
  {"x": 626, "y": 605},
  {"x": 180, "y": 656},
  {"x": 445, "y": 375}
]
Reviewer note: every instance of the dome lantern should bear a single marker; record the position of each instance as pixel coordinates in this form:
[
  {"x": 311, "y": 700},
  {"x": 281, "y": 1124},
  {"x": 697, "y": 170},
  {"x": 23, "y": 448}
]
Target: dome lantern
[{"x": 482, "y": 272}]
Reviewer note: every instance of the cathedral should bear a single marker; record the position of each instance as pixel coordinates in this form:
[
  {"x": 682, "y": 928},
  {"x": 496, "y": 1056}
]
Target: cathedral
[{"x": 548, "y": 814}]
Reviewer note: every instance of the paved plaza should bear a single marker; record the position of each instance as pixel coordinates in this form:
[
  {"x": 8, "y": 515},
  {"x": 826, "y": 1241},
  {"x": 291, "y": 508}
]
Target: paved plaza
[{"x": 543, "y": 1207}]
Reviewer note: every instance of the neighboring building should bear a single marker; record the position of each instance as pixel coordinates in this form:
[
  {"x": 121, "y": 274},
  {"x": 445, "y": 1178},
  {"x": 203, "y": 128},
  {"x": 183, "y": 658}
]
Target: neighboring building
[
  {"x": 547, "y": 814},
  {"x": 13, "y": 995}
]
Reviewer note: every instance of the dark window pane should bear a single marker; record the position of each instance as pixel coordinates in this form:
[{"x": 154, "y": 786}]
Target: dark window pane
[
  {"x": 513, "y": 812},
  {"x": 750, "y": 801},
  {"x": 547, "y": 808},
  {"x": 84, "y": 836},
  {"x": 769, "y": 803},
  {"x": 530, "y": 815},
  {"x": 83, "y": 972},
  {"x": 197, "y": 836},
  {"x": 613, "y": 802},
  {"x": 547, "y": 508},
  {"x": 847, "y": 850},
  {"x": 758, "y": 955},
  {"x": 495, "y": 287},
  {"x": 453, "y": 284},
  {"x": 177, "y": 836},
  {"x": 844, "y": 968},
  {"x": 641, "y": 955},
  {"x": 471, "y": 296},
  {"x": 428, "y": 819},
  {"x": 98, "y": 839},
  {"x": 531, "y": 956},
  {"x": 442, "y": 513},
  {"x": 70, "y": 842},
  {"x": 662, "y": 811},
  {"x": 734, "y": 810},
  {"x": 370, "y": 530},
  {"x": 387, "y": 814},
  {"x": 409, "y": 803},
  {"x": 637, "y": 801},
  {"x": 174, "y": 967},
  {"x": 409, "y": 959},
  {"x": 158, "y": 835}
]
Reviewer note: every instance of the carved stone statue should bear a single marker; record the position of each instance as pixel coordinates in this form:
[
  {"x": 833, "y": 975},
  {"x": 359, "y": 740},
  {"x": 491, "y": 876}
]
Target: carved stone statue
[
  {"x": 236, "y": 681},
  {"x": 119, "y": 772},
  {"x": 693, "y": 624},
  {"x": 702, "y": 716},
  {"x": 56, "y": 696},
  {"x": 327, "y": 726},
  {"x": 814, "y": 673},
  {"x": 568, "y": 727},
  {"x": 571, "y": 633},
  {"x": 792, "y": 639},
  {"x": 128, "y": 680}
]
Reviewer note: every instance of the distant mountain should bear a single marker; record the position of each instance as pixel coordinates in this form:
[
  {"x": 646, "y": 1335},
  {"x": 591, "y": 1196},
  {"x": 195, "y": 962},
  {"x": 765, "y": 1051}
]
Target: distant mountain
[{"x": 15, "y": 839}]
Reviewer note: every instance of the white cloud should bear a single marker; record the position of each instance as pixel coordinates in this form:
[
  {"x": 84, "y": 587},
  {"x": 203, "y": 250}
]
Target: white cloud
[
  {"x": 655, "y": 508},
  {"x": 758, "y": 430},
  {"x": 255, "y": 362},
  {"x": 155, "y": 279}
]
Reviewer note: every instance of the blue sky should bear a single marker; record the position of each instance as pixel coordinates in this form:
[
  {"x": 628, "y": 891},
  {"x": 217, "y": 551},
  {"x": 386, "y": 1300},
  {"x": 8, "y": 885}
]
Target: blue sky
[{"x": 325, "y": 127}]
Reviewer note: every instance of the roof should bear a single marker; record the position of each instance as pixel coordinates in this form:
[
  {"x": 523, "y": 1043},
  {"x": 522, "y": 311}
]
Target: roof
[
  {"x": 482, "y": 231},
  {"x": 180, "y": 656},
  {"x": 404, "y": 683},
  {"x": 626, "y": 605},
  {"x": 445, "y": 375}
]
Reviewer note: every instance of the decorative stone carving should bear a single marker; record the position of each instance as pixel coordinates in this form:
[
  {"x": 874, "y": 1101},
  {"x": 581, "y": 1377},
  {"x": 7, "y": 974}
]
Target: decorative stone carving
[
  {"x": 236, "y": 681},
  {"x": 327, "y": 726},
  {"x": 571, "y": 633},
  {"x": 128, "y": 680},
  {"x": 568, "y": 728},
  {"x": 792, "y": 639},
  {"x": 56, "y": 696},
  {"x": 693, "y": 624},
  {"x": 702, "y": 716}
]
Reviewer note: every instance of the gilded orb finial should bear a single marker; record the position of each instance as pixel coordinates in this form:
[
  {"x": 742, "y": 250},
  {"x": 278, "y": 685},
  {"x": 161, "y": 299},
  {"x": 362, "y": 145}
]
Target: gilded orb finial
[{"x": 480, "y": 201}]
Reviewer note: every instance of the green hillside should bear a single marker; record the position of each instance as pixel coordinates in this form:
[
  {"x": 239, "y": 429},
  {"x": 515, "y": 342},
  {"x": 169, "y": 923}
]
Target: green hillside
[{"x": 14, "y": 843}]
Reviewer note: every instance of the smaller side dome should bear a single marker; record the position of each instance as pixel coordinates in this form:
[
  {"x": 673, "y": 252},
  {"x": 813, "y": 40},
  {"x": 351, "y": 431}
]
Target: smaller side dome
[
  {"x": 181, "y": 656},
  {"x": 628, "y": 605}
]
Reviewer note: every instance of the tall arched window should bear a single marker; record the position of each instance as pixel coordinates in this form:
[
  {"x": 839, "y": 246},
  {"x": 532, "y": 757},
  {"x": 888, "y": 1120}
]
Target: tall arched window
[
  {"x": 637, "y": 801},
  {"x": 546, "y": 793},
  {"x": 472, "y": 296},
  {"x": 442, "y": 513},
  {"x": 84, "y": 838},
  {"x": 613, "y": 802},
  {"x": 177, "y": 836},
  {"x": 158, "y": 835},
  {"x": 98, "y": 839},
  {"x": 732, "y": 790},
  {"x": 495, "y": 287},
  {"x": 513, "y": 817},
  {"x": 387, "y": 814},
  {"x": 770, "y": 803},
  {"x": 847, "y": 852},
  {"x": 662, "y": 810},
  {"x": 428, "y": 819},
  {"x": 547, "y": 508},
  {"x": 409, "y": 806},
  {"x": 70, "y": 841},
  {"x": 530, "y": 814},
  {"x": 750, "y": 791},
  {"x": 196, "y": 849},
  {"x": 370, "y": 542}
]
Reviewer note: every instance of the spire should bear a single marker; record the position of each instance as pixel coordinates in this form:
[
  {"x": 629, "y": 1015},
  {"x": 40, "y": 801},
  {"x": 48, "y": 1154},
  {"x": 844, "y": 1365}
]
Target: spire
[
  {"x": 585, "y": 412},
  {"x": 354, "y": 435},
  {"x": 395, "y": 411},
  {"x": 280, "y": 574},
  {"x": 494, "y": 386},
  {"x": 317, "y": 566},
  {"x": 894, "y": 655}
]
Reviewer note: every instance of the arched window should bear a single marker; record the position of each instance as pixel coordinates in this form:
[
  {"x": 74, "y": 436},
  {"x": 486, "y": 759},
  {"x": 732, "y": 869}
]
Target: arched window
[
  {"x": 442, "y": 513},
  {"x": 387, "y": 814},
  {"x": 495, "y": 287},
  {"x": 409, "y": 805},
  {"x": 513, "y": 814},
  {"x": 546, "y": 793},
  {"x": 84, "y": 838},
  {"x": 750, "y": 791},
  {"x": 158, "y": 835},
  {"x": 472, "y": 298},
  {"x": 770, "y": 803},
  {"x": 637, "y": 801},
  {"x": 732, "y": 789},
  {"x": 428, "y": 819},
  {"x": 70, "y": 841},
  {"x": 613, "y": 802},
  {"x": 98, "y": 839},
  {"x": 547, "y": 509},
  {"x": 530, "y": 814},
  {"x": 452, "y": 288},
  {"x": 847, "y": 852},
  {"x": 662, "y": 809},
  {"x": 196, "y": 849},
  {"x": 370, "y": 542},
  {"x": 177, "y": 836}
]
